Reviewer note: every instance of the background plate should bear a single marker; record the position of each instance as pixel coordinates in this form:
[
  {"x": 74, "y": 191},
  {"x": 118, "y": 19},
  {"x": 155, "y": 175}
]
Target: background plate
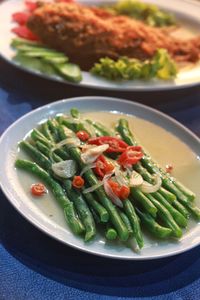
[
  {"x": 35, "y": 211},
  {"x": 186, "y": 11}
]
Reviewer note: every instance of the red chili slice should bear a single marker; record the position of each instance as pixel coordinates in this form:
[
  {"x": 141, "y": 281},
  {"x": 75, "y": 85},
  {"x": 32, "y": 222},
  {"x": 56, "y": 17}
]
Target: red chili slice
[
  {"x": 120, "y": 191},
  {"x": 124, "y": 192},
  {"x": 38, "y": 189},
  {"x": 21, "y": 17},
  {"x": 115, "y": 144},
  {"x": 23, "y": 32},
  {"x": 78, "y": 182},
  {"x": 130, "y": 156},
  {"x": 169, "y": 168},
  {"x": 103, "y": 166},
  {"x": 114, "y": 186},
  {"x": 82, "y": 135}
]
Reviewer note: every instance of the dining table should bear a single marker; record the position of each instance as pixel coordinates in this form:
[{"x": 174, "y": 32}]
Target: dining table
[{"x": 34, "y": 266}]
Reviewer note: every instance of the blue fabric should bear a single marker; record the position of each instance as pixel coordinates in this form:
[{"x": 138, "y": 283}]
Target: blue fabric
[{"x": 33, "y": 266}]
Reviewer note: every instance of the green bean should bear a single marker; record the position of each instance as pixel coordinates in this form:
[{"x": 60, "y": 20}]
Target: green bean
[
  {"x": 110, "y": 233},
  {"x": 167, "y": 195},
  {"x": 98, "y": 127},
  {"x": 125, "y": 132},
  {"x": 166, "y": 217},
  {"x": 60, "y": 152},
  {"x": 168, "y": 184},
  {"x": 95, "y": 216},
  {"x": 97, "y": 131},
  {"x": 46, "y": 151},
  {"x": 70, "y": 124},
  {"x": 126, "y": 221},
  {"x": 178, "y": 217},
  {"x": 40, "y": 158},
  {"x": 54, "y": 133},
  {"x": 134, "y": 220},
  {"x": 46, "y": 131},
  {"x": 183, "y": 199},
  {"x": 144, "y": 201},
  {"x": 69, "y": 212},
  {"x": 152, "y": 226},
  {"x": 195, "y": 211},
  {"x": 104, "y": 131},
  {"x": 75, "y": 113},
  {"x": 42, "y": 148},
  {"x": 98, "y": 208},
  {"x": 181, "y": 208},
  {"x": 82, "y": 209},
  {"x": 189, "y": 194}
]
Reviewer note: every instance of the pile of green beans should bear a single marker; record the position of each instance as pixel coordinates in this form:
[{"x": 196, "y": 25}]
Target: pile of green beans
[
  {"x": 164, "y": 213},
  {"x": 183, "y": 197}
]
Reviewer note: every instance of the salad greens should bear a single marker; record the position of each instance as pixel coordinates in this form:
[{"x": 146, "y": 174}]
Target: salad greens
[
  {"x": 160, "y": 66},
  {"x": 148, "y": 13}
]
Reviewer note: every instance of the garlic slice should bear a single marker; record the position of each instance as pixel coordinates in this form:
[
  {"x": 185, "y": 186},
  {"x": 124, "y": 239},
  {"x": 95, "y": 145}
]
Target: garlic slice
[
  {"x": 135, "y": 179},
  {"x": 65, "y": 168},
  {"x": 91, "y": 154},
  {"x": 151, "y": 188}
]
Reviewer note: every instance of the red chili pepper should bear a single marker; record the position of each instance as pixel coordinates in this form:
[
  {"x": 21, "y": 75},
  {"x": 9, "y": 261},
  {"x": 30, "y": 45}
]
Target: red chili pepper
[
  {"x": 103, "y": 166},
  {"x": 82, "y": 135},
  {"x": 130, "y": 156},
  {"x": 169, "y": 168},
  {"x": 38, "y": 189},
  {"x": 124, "y": 192},
  {"x": 23, "y": 32},
  {"x": 31, "y": 5},
  {"x": 78, "y": 182},
  {"x": 115, "y": 144},
  {"x": 120, "y": 191},
  {"x": 21, "y": 17},
  {"x": 113, "y": 184}
]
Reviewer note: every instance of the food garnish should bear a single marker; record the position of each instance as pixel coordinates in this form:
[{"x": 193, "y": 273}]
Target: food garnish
[
  {"x": 82, "y": 135},
  {"x": 78, "y": 182},
  {"x": 161, "y": 66},
  {"x": 169, "y": 168},
  {"x": 38, "y": 189},
  {"x": 149, "y": 13}
]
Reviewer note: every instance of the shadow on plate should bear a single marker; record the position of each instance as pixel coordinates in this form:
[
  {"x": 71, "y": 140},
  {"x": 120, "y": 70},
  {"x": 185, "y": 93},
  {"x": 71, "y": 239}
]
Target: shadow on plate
[{"x": 92, "y": 273}]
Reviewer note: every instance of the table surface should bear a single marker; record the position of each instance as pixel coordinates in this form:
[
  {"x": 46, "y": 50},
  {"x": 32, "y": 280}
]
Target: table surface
[{"x": 34, "y": 266}]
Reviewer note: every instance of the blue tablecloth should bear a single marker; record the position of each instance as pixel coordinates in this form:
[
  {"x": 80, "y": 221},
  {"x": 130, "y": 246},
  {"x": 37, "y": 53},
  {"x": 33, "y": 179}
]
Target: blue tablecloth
[{"x": 34, "y": 266}]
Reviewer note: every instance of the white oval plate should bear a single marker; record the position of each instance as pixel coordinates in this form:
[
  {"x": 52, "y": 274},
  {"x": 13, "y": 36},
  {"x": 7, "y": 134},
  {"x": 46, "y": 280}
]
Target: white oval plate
[
  {"x": 37, "y": 211},
  {"x": 186, "y": 11}
]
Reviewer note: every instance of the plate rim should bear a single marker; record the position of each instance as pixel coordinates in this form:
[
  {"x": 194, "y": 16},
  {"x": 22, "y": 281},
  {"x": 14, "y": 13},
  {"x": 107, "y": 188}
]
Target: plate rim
[
  {"x": 10, "y": 197},
  {"x": 140, "y": 87}
]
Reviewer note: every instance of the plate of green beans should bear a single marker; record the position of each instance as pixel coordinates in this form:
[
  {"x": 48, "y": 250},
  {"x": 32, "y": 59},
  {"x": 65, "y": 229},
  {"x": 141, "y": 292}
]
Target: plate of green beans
[{"x": 105, "y": 176}]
